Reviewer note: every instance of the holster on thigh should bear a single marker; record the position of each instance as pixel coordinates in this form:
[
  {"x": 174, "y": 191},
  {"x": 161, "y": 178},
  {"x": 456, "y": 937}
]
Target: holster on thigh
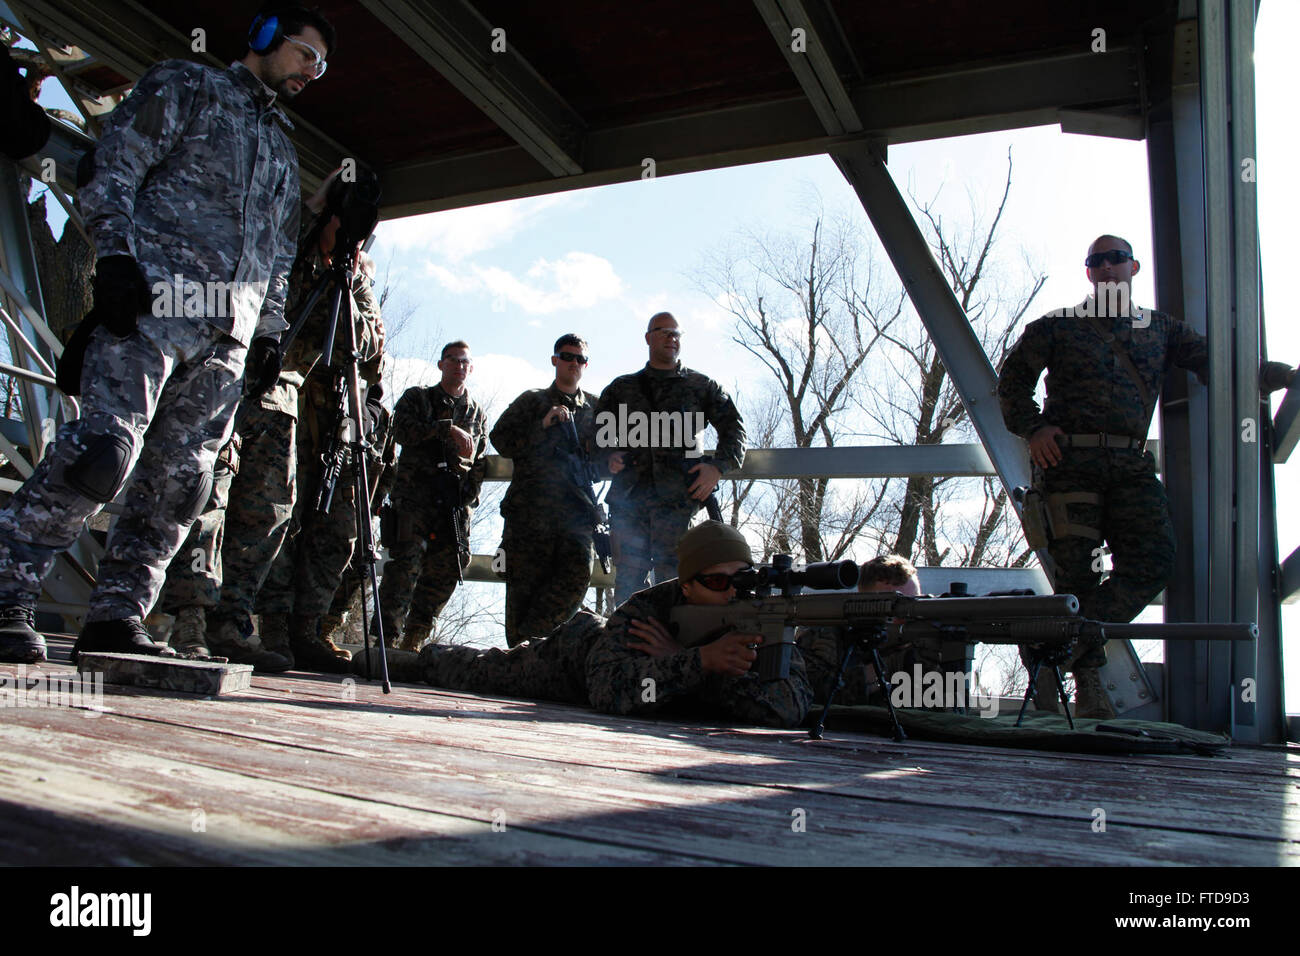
[{"x": 1058, "y": 514}]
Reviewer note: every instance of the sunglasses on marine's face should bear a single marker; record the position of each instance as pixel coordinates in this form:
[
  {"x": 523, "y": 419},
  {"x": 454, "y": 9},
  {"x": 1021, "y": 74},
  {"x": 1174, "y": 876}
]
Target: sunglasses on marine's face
[
  {"x": 718, "y": 581},
  {"x": 1113, "y": 256},
  {"x": 572, "y": 357}
]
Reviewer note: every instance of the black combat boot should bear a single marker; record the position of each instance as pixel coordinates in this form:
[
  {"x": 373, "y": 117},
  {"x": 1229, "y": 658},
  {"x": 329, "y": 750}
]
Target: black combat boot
[
  {"x": 237, "y": 642},
  {"x": 126, "y": 635},
  {"x": 19, "y": 641},
  {"x": 313, "y": 652}
]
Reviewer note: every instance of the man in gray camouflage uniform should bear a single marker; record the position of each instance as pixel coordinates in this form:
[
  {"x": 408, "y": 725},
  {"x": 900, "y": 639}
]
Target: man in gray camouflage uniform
[
  {"x": 659, "y": 485},
  {"x": 194, "y": 177},
  {"x": 1106, "y": 361},
  {"x": 633, "y": 665}
]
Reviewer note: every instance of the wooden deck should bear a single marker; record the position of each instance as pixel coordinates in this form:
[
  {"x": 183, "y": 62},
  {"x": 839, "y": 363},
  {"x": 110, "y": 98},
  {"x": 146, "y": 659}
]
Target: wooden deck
[{"x": 305, "y": 769}]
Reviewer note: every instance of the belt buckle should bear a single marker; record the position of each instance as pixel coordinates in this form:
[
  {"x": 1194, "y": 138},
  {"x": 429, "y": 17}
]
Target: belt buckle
[{"x": 1101, "y": 440}]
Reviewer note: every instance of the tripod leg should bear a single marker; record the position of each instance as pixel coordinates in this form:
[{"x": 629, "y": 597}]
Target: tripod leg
[
  {"x": 816, "y": 732},
  {"x": 361, "y": 482},
  {"x": 888, "y": 686},
  {"x": 365, "y": 618}
]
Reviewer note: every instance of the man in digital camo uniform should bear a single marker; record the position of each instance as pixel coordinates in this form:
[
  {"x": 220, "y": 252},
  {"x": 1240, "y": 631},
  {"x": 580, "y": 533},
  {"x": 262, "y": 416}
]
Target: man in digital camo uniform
[
  {"x": 656, "y": 490},
  {"x": 443, "y": 434},
  {"x": 632, "y": 665},
  {"x": 548, "y": 519},
  {"x": 290, "y": 601},
  {"x": 1106, "y": 361},
  {"x": 254, "y": 516},
  {"x": 195, "y": 182}
]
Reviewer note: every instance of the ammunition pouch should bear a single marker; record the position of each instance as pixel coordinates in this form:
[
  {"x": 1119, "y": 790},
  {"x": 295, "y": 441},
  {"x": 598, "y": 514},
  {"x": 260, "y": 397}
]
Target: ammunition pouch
[{"x": 228, "y": 458}]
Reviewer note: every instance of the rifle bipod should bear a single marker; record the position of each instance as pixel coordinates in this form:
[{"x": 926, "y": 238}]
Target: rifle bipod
[
  {"x": 863, "y": 640},
  {"x": 1056, "y": 656}
]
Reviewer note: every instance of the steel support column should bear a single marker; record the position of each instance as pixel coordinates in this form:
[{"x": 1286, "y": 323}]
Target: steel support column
[
  {"x": 1260, "y": 661},
  {"x": 956, "y": 342}
]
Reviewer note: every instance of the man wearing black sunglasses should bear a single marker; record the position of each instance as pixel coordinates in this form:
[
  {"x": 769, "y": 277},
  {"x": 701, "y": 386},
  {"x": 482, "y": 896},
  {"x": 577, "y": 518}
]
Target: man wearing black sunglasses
[
  {"x": 1105, "y": 362},
  {"x": 658, "y": 486},
  {"x": 632, "y": 664},
  {"x": 547, "y": 541}
]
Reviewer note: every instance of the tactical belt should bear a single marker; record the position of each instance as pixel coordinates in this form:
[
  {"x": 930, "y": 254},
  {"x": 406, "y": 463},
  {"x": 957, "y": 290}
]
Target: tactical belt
[{"x": 1103, "y": 440}]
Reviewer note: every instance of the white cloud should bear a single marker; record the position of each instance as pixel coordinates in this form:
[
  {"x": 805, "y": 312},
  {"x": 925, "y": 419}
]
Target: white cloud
[
  {"x": 456, "y": 284},
  {"x": 577, "y": 280},
  {"x": 456, "y": 234},
  {"x": 497, "y": 380}
]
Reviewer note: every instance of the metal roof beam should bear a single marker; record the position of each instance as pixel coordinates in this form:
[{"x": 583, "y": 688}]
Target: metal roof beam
[
  {"x": 460, "y": 44},
  {"x": 1009, "y": 95},
  {"x": 808, "y": 35}
]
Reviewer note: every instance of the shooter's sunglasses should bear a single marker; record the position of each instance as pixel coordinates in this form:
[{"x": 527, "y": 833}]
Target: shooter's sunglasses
[
  {"x": 572, "y": 357},
  {"x": 719, "y": 581},
  {"x": 1113, "y": 256}
]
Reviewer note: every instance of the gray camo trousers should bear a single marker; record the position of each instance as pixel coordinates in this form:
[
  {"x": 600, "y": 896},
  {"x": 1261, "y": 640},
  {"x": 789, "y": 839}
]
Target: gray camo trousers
[{"x": 168, "y": 392}]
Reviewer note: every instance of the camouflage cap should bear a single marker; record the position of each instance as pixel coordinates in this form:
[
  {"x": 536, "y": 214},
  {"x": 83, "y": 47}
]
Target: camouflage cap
[{"x": 707, "y": 544}]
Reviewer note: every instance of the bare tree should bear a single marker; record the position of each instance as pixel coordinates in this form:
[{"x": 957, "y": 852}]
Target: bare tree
[
  {"x": 917, "y": 403},
  {"x": 807, "y": 308}
]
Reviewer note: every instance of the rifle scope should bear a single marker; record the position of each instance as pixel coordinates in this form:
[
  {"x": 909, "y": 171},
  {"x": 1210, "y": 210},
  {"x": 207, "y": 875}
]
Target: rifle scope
[{"x": 783, "y": 576}]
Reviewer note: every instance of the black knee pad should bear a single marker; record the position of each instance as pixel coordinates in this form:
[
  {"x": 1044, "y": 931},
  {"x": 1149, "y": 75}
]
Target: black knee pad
[
  {"x": 197, "y": 500},
  {"x": 101, "y": 470}
]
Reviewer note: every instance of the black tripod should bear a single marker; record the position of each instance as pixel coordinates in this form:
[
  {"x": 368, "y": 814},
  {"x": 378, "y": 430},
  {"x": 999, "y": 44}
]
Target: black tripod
[{"x": 348, "y": 433}]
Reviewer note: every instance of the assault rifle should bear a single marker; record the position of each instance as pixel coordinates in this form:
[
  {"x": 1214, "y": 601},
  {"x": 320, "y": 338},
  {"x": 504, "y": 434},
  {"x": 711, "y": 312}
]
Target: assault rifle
[
  {"x": 585, "y": 480},
  {"x": 445, "y": 488},
  {"x": 1047, "y": 625}
]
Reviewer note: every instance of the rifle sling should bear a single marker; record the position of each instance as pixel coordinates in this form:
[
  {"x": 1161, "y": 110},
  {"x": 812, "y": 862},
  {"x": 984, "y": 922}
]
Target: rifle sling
[{"x": 1126, "y": 361}]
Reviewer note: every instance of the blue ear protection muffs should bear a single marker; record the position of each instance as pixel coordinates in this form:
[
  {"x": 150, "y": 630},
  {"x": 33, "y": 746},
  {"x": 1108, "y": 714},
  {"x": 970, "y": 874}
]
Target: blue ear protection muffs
[{"x": 265, "y": 33}]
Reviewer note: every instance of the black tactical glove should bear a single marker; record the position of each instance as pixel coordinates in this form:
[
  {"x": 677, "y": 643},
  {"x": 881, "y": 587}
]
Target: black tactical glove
[
  {"x": 374, "y": 414},
  {"x": 1274, "y": 376},
  {"x": 262, "y": 367},
  {"x": 121, "y": 294}
]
